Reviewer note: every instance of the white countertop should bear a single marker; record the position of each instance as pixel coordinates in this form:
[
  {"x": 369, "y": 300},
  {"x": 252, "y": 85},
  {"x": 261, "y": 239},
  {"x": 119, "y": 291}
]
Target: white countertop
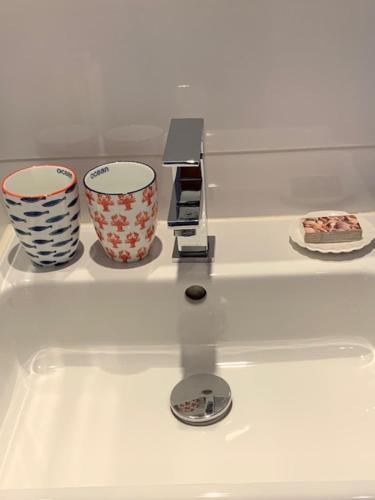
[{"x": 243, "y": 247}]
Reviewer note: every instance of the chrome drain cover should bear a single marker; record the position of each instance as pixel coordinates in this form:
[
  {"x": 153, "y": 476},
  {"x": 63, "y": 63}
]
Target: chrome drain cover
[{"x": 201, "y": 399}]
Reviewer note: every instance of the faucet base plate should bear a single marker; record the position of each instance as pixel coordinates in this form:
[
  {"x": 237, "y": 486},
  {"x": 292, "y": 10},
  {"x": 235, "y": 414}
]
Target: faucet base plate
[{"x": 195, "y": 256}]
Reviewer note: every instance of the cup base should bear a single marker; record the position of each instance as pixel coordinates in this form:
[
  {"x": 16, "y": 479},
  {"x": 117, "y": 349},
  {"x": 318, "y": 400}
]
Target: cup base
[
  {"x": 54, "y": 264},
  {"x": 127, "y": 259}
]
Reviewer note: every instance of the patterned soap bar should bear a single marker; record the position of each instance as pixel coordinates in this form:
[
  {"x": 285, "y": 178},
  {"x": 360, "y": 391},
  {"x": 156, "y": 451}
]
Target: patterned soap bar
[{"x": 331, "y": 229}]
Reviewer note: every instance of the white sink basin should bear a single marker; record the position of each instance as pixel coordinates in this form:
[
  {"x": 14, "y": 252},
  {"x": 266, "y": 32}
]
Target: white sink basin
[{"x": 89, "y": 355}]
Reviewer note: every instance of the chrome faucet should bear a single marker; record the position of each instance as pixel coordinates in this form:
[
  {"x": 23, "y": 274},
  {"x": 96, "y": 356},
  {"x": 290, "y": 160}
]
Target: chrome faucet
[{"x": 187, "y": 211}]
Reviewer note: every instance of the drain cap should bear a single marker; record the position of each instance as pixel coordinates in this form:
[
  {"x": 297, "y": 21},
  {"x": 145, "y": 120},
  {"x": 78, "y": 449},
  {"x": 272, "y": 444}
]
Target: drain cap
[{"x": 201, "y": 399}]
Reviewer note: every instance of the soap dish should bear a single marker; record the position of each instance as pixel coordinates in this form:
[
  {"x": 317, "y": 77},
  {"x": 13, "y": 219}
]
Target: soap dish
[{"x": 368, "y": 235}]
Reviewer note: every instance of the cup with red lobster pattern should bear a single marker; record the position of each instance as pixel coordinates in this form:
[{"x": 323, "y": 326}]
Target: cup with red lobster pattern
[{"x": 122, "y": 200}]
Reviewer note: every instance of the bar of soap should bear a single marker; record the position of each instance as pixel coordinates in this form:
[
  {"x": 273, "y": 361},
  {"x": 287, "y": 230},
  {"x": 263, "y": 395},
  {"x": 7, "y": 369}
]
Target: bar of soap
[{"x": 331, "y": 229}]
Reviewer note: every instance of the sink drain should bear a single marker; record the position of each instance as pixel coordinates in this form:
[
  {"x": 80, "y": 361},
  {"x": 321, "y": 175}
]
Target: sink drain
[
  {"x": 195, "y": 293},
  {"x": 201, "y": 399}
]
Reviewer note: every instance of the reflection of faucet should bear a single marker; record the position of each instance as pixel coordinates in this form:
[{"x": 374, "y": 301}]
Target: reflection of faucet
[{"x": 187, "y": 211}]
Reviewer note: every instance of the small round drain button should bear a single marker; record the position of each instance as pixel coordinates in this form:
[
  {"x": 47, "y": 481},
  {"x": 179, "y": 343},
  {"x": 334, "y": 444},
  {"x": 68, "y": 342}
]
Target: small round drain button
[
  {"x": 195, "y": 292},
  {"x": 201, "y": 399}
]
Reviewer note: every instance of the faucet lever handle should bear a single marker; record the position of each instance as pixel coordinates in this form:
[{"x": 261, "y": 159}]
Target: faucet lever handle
[{"x": 184, "y": 143}]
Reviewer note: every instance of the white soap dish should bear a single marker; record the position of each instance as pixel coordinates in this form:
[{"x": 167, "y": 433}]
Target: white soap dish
[{"x": 368, "y": 235}]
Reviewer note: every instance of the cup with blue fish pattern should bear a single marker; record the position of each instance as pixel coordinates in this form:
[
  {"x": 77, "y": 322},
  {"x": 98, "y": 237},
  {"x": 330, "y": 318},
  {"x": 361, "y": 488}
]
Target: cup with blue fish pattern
[{"x": 43, "y": 206}]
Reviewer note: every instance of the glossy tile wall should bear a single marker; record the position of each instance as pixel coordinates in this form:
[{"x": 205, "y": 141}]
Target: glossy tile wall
[{"x": 286, "y": 88}]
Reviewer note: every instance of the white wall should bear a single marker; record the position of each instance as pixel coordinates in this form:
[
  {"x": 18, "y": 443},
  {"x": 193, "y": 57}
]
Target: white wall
[{"x": 83, "y": 81}]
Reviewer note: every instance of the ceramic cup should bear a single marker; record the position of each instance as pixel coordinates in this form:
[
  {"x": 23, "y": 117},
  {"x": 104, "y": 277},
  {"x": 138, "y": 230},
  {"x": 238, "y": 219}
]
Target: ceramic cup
[
  {"x": 43, "y": 205},
  {"x": 122, "y": 199}
]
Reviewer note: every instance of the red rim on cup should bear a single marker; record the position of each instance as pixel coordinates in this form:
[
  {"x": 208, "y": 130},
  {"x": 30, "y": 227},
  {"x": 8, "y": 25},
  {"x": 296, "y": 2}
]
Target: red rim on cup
[{"x": 39, "y": 181}]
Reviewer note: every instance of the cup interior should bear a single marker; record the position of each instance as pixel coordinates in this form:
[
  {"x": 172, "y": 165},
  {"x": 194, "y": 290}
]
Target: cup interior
[
  {"x": 39, "y": 180},
  {"x": 119, "y": 178}
]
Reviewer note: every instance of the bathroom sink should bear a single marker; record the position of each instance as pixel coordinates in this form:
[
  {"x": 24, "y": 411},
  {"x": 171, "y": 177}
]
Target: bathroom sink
[{"x": 90, "y": 353}]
